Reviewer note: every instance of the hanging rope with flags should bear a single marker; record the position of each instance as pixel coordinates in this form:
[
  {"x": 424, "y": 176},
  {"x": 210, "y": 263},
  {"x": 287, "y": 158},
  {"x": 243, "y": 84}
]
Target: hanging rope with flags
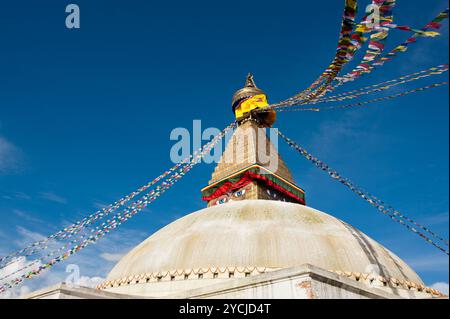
[
  {"x": 110, "y": 224},
  {"x": 75, "y": 228},
  {"x": 67, "y": 232},
  {"x": 374, "y": 88},
  {"x": 342, "y": 51},
  {"x": 351, "y": 40},
  {"x": 382, "y": 207},
  {"x": 366, "y": 68},
  {"x": 358, "y": 104},
  {"x": 378, "y": 36},
  {"x": 372, "y": 57}
]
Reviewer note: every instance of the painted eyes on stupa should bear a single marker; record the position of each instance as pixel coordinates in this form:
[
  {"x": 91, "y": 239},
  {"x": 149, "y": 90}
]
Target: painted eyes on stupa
[
  {"x": 222, "y": 201},
  {"x": 272, "y": 194},
  {"x": 239, "y": 193}
]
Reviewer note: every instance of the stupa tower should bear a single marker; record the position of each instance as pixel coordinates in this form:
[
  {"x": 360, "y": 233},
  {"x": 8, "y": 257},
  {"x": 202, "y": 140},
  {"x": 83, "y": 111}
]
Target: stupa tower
[{"x": 250, "y": 167}]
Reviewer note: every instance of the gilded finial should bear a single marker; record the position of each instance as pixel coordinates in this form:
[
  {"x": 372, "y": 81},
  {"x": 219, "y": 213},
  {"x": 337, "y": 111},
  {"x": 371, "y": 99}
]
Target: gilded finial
[
  {"x": 250, "y": 98},
  {"x": 249, "y": 82},
  {"x": 250, "y": 89}
]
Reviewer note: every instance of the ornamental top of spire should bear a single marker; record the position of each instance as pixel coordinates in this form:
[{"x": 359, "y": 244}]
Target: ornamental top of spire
[
  {"x": 250, "y": 82},
  {"x": 250, "y": 102},
  {"x": 249, "y": 90}
]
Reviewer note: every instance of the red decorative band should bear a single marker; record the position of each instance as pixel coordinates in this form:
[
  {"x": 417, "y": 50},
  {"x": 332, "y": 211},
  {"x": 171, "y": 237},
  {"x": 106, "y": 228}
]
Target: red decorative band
[{"x": 246, "y": 179}]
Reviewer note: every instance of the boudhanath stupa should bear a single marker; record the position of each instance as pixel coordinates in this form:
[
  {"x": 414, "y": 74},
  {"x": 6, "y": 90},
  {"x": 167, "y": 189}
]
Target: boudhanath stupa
[{"x": 257, "y": 238}]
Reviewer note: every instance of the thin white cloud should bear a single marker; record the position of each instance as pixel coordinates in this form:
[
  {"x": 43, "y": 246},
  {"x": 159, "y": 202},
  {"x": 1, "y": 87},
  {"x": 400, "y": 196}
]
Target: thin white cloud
[
  {"x": 27, "y": 236},
  {"x": 18, "y": 267},
  {"x": 430, "y": 263},
  {"x": 22, "y": 195},
  {"x": 441, "y": 286},
  {"x": 17, "y": 195},
  {"x": 16, "y": 293},
  {"x": 112, "y": 257},
  {"x": 53, "y": 197},
  {"x": 345, "y": 137},
  {"x": 94, "y": 262},
  {"x": 10, "y": 157},
  {"x": 26, "y": 216},
  {"x": 99, "y": 205},
  {"x": 91, "y": 282},
  {"x": 330, "y": 132},
  {"x": 435, "y": 219}
]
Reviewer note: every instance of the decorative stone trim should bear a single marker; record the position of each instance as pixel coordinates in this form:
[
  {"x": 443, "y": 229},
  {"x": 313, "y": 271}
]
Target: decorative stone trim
[
  {"x": 380, "y": 281},
  {"x": 185, "y": 274},
  {"x": 239, "y": 272}
]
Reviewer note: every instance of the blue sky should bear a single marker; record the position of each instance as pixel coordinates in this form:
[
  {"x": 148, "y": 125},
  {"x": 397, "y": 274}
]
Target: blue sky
[{"x": 85, "y": 116}]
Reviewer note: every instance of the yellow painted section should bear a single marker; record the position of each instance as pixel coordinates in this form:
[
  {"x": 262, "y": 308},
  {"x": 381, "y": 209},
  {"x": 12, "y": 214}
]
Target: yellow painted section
[{"x": 256, "y": 102}]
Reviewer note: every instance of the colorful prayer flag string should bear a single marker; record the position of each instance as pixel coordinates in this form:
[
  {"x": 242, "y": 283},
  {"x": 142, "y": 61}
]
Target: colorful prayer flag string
[
  {"x": 384, "y": 98},
  {"x": 406, "y": 28},
  {"x": 75, "y": 228},
  {"x": 366, "y": 68},
  {"x": 342, "y": 50},
  {"x": 372, "y": 200},
  {"x": 437, "y": 70},
  {"x": 375, "y": 88},
  {"x": 115, "y": 221},
  {"x": 350, "y": 42}
]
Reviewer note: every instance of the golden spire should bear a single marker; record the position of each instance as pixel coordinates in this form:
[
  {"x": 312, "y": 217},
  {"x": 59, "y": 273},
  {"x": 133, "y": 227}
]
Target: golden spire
[
  {"x": 249, "y": 99},
  {"x": 249, "y": 90},
  {"x": 249, "y": 82},
  {"x": 250, "y": 166}
]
